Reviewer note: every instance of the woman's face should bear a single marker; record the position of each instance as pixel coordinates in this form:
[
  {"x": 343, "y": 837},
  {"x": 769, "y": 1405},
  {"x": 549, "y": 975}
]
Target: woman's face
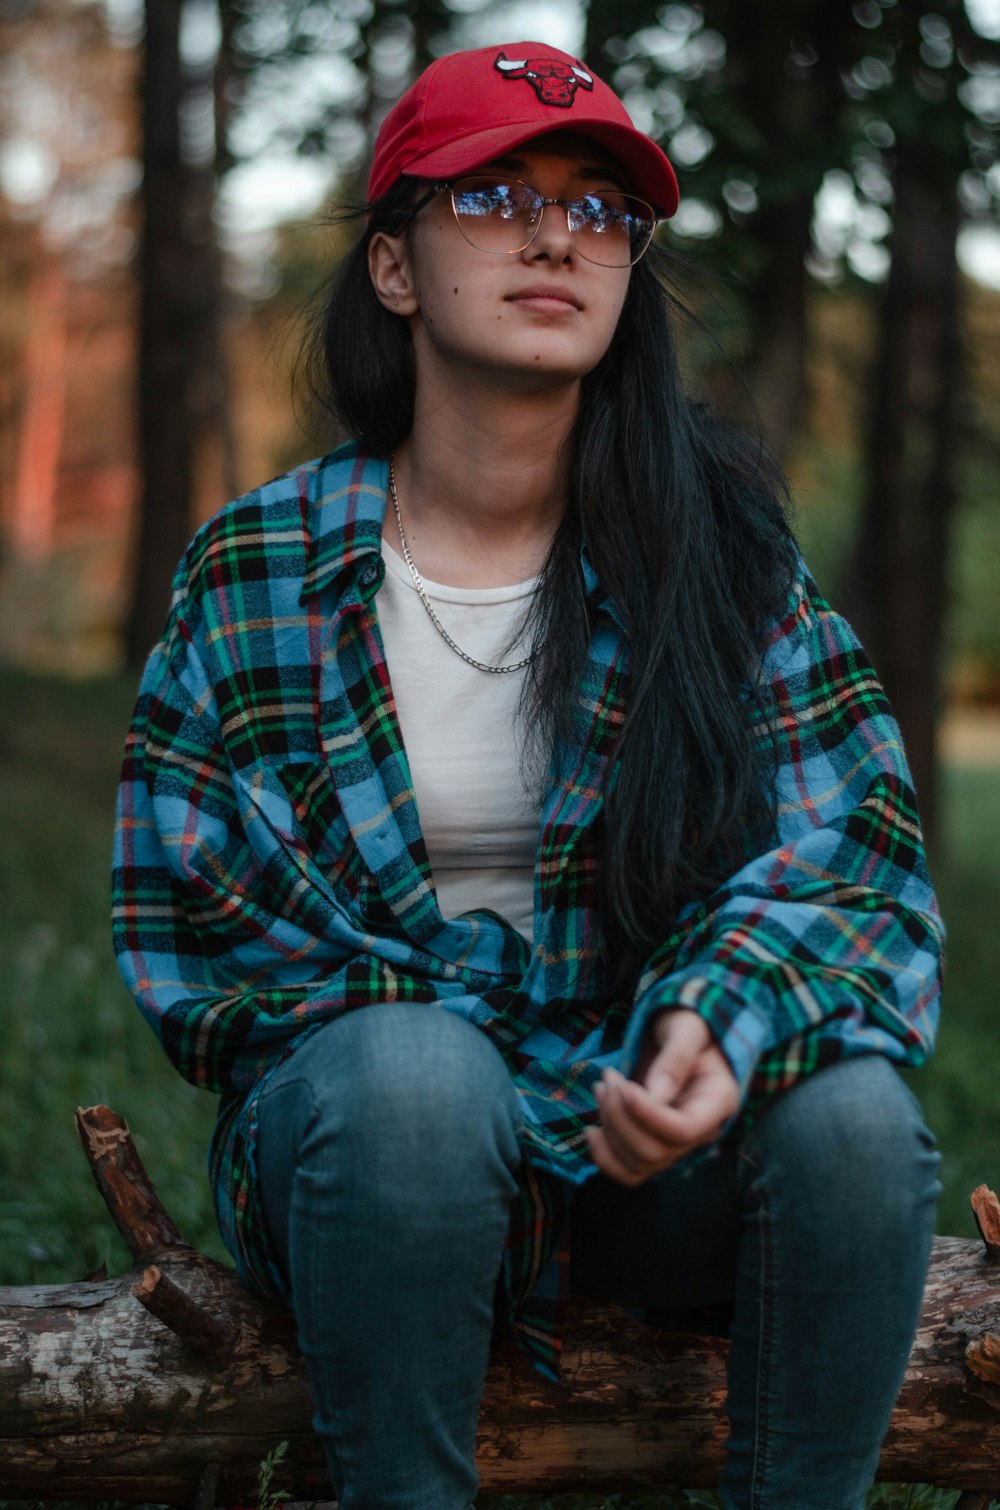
[{"x": 527, "y": 319}]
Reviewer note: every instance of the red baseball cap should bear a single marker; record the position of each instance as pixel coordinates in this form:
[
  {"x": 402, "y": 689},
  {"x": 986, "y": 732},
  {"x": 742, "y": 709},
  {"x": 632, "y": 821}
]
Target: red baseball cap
[{"x": 470, "y": 107}]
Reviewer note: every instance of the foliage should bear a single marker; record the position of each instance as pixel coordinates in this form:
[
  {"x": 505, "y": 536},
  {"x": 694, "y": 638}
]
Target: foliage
[
  {"x": 269, "y": 1498},
  {"x": 757, "y": 103},
  {"x": 354, "y": 58},
  {"x": 69, "y": 1034}
]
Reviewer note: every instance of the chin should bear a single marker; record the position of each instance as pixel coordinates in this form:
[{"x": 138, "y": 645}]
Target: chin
[
  {"x": 539, "y": 375},
  {"x": 545, "y": 360}
]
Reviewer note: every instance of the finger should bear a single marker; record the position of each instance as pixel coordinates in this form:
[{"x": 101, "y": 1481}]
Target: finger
[
  {"x": 713, "y": 1099},
  {"x": 669, "y": 1124},
  {"x": 715, "y": 1082},
  {"x": 683, "y": 1037},
  {"x": 707, "y": 1102},
  {"x": 704, "y": 1109},
  {"x": 648, "y": 1115},
  {"x": 608, "y": 1161},
  {"x": 618, "y": 1159},
  {"x": 632, "y": 1145}
]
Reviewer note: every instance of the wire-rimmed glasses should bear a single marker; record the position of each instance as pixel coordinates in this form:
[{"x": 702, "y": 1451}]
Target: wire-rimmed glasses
[{"x": 501, "y": 216}]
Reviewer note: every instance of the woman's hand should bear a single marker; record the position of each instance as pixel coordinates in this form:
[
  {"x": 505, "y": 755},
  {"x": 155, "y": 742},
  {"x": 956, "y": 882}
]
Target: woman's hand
[{"x": 683, "y": 1093}]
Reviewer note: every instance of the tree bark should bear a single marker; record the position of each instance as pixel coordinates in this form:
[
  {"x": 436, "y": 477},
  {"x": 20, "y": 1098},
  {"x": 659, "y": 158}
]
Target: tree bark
[
  {"x": 184, "y": 425},
  {"x": 894, "y": 588},
  {"x": 172, "y": 1382},
  {"x": 166, "y": 336},
  {"x": 791, "y": 108}
]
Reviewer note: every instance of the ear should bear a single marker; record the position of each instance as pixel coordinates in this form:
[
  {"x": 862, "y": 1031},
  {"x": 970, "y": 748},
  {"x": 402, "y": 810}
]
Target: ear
[{"x": 391, "y": 273}]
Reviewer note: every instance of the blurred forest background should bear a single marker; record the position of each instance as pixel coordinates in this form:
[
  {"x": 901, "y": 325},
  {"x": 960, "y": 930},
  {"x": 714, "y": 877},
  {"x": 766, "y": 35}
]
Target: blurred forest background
[
  {"x": 840, "y": 188},
  {"x": 165, "y": 177}
]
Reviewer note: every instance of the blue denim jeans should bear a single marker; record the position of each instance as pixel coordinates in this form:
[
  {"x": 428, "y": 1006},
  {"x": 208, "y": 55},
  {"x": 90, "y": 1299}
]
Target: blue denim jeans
[{"x": 388, "y": 1148}]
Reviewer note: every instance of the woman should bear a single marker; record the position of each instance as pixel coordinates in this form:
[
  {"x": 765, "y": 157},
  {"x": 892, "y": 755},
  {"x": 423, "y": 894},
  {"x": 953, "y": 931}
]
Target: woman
[{"x": 647, "y": 861}]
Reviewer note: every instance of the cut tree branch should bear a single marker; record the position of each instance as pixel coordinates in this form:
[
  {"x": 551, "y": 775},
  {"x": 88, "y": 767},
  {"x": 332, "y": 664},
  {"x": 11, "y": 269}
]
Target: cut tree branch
[
  {"x": 986, "y": 1210},
  {"x": 128, "y": 1192}
]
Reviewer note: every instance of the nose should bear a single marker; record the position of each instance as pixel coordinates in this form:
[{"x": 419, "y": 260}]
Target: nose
[{"x": 553, "y": 238}]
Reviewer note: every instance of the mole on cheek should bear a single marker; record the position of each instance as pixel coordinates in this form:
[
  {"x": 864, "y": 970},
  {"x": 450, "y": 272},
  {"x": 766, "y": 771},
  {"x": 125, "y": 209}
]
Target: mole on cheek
[{"x": 455, "y": 289}]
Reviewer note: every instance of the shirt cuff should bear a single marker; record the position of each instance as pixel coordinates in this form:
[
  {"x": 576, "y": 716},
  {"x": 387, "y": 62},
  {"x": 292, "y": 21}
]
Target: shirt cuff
[{"x": 739, "y": 1030}]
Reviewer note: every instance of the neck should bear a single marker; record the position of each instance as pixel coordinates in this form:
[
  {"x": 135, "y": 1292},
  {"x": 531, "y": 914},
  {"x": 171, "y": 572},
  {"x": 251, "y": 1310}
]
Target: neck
[{"x": 483, "y": 484}]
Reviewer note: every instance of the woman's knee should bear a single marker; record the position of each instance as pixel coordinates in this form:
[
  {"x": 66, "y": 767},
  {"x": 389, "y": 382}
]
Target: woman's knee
[
  {"x": 851, "y": 1137},
  {"x": 402, "y": 1081}
]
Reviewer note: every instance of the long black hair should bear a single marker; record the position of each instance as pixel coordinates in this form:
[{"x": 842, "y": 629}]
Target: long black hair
[{"x": 686, "y": 521}]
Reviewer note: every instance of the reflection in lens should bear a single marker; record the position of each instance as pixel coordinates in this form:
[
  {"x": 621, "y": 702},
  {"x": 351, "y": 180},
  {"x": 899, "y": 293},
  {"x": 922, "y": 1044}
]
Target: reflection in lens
[
  {"x": 610, "y": 228},
  {"x": 495, "y": 216},
  {"x": 486, "y": 199},
  {"x": 613, "y": 228}
]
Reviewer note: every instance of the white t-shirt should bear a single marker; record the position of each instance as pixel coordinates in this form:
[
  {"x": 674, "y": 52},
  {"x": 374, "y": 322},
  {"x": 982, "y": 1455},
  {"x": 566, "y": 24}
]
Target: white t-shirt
[{"x": 479, "y": 818}]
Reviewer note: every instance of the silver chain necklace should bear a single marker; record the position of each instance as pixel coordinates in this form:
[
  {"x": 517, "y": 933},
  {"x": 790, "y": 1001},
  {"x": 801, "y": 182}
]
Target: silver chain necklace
[{"x": 418, "y": 584}]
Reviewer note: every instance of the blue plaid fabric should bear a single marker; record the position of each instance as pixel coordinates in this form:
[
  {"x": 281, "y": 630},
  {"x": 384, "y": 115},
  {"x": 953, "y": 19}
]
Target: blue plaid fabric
[{"x": 270, "y": 871}]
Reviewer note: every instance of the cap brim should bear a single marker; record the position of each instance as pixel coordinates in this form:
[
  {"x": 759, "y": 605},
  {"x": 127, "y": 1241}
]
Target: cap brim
[{"x": 649, "y": 170}]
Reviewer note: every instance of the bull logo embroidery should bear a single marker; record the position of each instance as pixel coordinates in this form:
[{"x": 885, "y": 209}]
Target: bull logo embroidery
[{"x": 554, "y": 83}]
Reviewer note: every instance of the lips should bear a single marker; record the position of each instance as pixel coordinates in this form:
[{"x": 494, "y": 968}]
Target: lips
[{"x": 553, "y": 291}]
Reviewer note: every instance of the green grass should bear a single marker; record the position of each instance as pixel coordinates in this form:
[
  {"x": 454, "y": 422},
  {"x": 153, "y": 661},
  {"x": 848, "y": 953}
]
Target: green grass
[
  {"x": 958, "y": 1086},
  {"x": 69, "y": 1034}
]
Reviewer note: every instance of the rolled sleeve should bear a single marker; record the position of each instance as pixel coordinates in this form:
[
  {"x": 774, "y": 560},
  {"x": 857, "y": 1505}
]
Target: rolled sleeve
[{"x": 830, "y": 943}]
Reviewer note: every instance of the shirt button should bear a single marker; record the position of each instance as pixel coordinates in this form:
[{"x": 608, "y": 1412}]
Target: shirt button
[{"x": 369, "y": 575}]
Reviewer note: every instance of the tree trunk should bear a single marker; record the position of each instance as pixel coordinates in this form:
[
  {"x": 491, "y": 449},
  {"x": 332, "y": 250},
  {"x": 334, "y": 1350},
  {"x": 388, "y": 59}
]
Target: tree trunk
[
  {"x": 173, "y": 1377},
  {"x": 894, "y": 589},
  {"x": 182, "y": 389},
  {"x": 165, "y": 336},
  {"x": 776, "y": 303},
  {"x": 793, "y": 106}
]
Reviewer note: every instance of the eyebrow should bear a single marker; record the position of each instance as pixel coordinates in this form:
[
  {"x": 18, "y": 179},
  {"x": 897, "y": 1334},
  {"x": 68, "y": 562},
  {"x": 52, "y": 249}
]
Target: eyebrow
[{"x": 582, "y": 171}]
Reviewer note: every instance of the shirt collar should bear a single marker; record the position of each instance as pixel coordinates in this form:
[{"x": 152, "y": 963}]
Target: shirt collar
[
  {"x": 346, "y": 502},
  {"x": 347, "y": 498}
]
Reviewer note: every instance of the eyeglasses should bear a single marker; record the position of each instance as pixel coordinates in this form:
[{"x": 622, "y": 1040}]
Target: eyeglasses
[{"x": 502, "y": 217}]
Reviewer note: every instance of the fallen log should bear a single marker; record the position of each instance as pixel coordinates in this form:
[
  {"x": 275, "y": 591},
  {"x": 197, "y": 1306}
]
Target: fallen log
[{"x": 171, "y": 1383}]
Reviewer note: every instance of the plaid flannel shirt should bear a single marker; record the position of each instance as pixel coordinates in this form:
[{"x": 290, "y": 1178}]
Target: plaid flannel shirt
[{"x": 270, "y": 872}]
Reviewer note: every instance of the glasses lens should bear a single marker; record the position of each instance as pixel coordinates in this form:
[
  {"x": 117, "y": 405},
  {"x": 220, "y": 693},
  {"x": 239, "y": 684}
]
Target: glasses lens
[
  {"x": 495, "y": 216},
  {"x": 612, "y": 229}
]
